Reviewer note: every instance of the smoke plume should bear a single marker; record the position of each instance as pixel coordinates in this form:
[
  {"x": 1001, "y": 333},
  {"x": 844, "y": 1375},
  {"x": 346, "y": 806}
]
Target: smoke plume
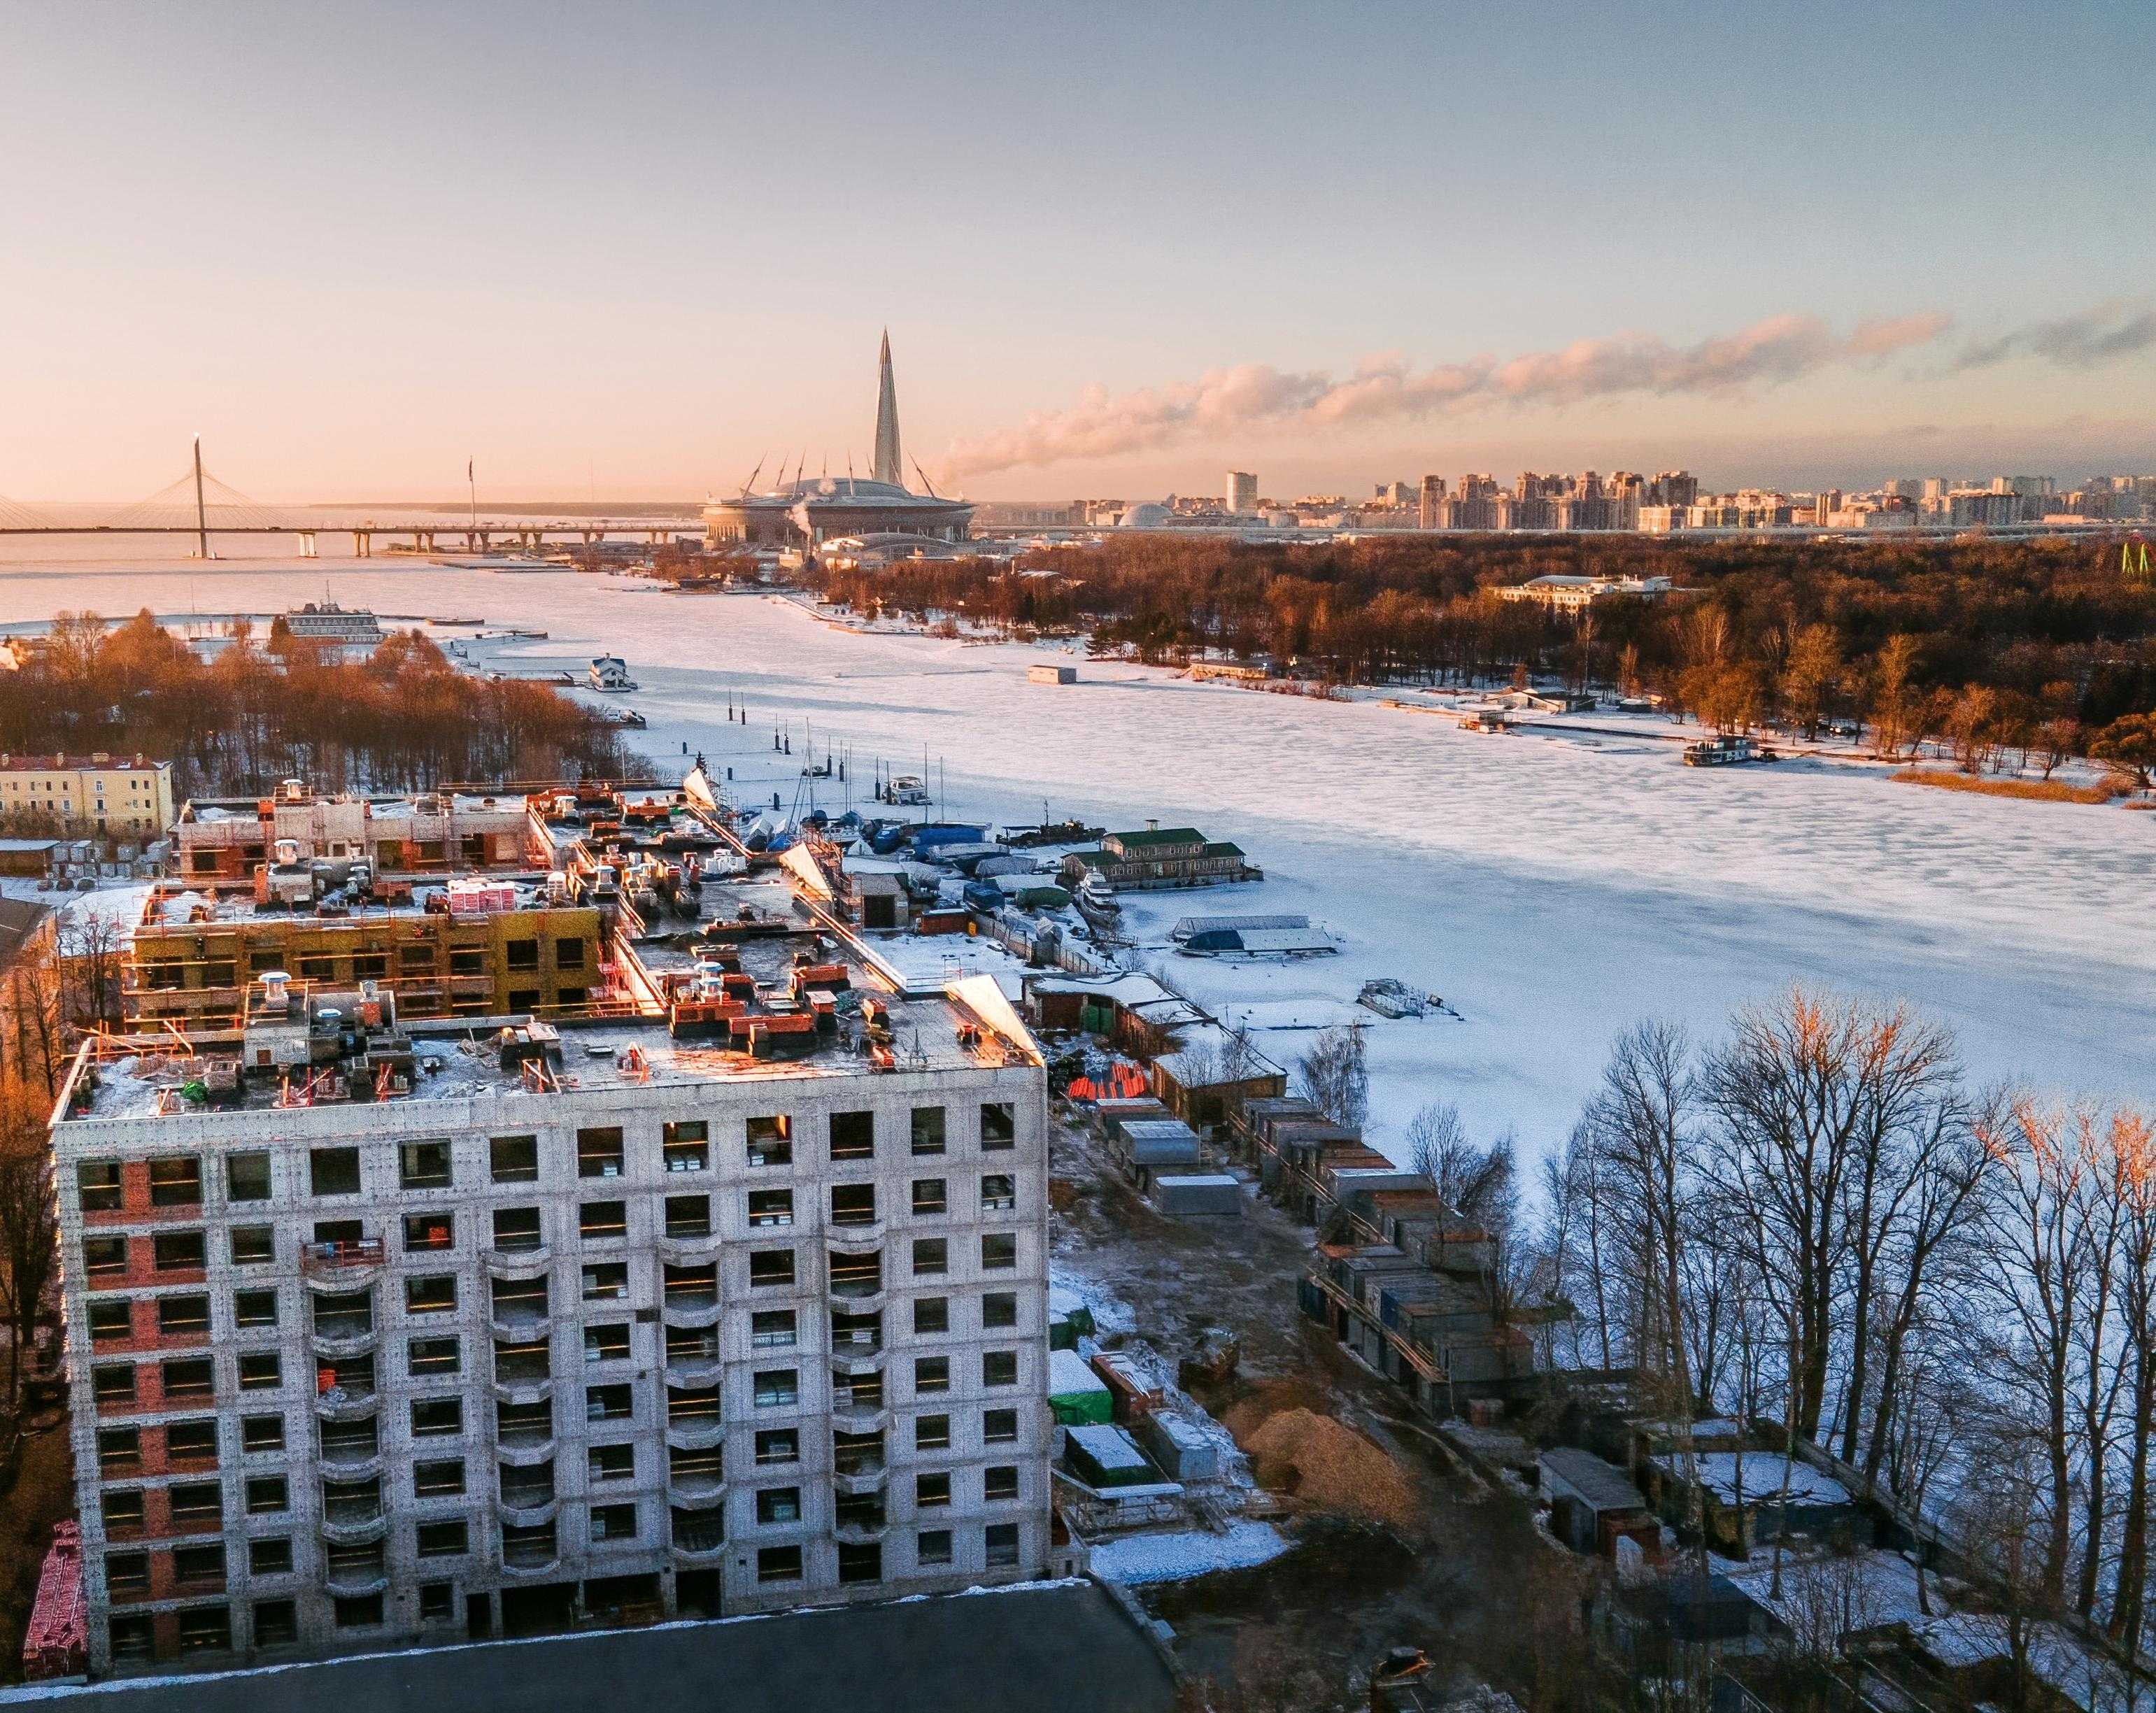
[{"x": 1221, "y": 401}]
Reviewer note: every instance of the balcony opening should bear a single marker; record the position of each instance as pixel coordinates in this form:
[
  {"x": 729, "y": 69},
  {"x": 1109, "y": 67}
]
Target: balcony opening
[
  {"x": 770, "y": 1208},
  {"x": 118, "y": 1453},
  {"x": 351, "y": 1504},
  {"x": 863, "y": 1391},
  {"x": 429, "y": 1231},
  {"x": 518, "y": 1230},
  {"x": 856, "y": 1454},
  {"x": 861, "y": 1563},
  {"x": 853, "y": 1204},
  {"x": 926, "y": 1130},
  {"x": 778, "y": 1445},
  {"x": 519, "y": 1302},
  {"x": 999, "y": 1193},
  {"x": 699, "y": 1530},
  {"x": 524, "y": 1426},
  {"x": 769, "y": 1268},
  {"x": 692, "y": 1288},
  {"x": 856, "y": 1276},
  {"x": 696, "y": 1408},
  {"x": 524, "y": 1364},
  {"x": 998, "y": 1125},
  {"x": 691, "y": 1346},
  {"x": 930, "y": 1197},
  {"x": 777, "y": 1506},
  {"x": 526, "y": 1489},
  {"x": 347, "y": 1443}
]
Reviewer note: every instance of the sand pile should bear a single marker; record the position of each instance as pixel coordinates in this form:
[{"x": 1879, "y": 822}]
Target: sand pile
[{"x": 1327, "y": 1465}]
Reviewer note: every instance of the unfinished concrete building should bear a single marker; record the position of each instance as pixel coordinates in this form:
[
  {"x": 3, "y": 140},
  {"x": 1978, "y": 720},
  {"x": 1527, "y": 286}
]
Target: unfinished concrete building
[
  {"x": 379, "y": 1333},
  {"x": 220, "y": 842}
]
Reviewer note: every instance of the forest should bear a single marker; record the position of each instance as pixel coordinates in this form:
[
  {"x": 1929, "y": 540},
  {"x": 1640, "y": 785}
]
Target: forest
[
  {"x": 2040, "y": 648},
  {"x": 405, "y": 720}
]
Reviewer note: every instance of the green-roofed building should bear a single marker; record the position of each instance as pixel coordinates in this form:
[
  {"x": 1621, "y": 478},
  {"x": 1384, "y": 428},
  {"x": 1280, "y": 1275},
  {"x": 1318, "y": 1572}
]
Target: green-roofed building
[{"x": 1160, "y": 857}]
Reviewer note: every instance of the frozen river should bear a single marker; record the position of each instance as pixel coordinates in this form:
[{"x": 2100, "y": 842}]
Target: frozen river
[{"x": 1552, "y": 888}]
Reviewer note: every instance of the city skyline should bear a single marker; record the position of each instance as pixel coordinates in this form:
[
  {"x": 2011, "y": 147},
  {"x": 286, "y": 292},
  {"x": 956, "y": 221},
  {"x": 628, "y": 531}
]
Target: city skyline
[{"x": 1785, "y": 269}]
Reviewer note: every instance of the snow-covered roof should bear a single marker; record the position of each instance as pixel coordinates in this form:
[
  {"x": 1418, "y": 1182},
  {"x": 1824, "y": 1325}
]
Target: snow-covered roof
[
  {"x": 1762, "y": 1476},
  {"x": 1070, "y": 1373},
  {"x": 1110, "y": 1447}
]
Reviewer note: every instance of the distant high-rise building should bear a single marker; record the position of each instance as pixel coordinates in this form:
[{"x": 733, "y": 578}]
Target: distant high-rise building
[
  {"x": 1674, "y": 488},
  {"x": 1824, "y": 503},
  {"x": 1242, "y": 491},
  {"x": 1430, "y": 504}
]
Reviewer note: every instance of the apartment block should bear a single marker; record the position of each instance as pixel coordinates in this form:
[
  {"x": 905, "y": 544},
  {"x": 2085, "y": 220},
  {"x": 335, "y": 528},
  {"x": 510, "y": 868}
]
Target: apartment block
[
  {"x": 116, "y": 795},
  {"x": 556, "y": 1328}
]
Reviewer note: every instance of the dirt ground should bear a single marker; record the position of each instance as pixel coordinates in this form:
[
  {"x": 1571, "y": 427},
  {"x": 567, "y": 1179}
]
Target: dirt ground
[
  {"x": 1396, "y": 1544},
  {"x": 42, "y": 1495}
]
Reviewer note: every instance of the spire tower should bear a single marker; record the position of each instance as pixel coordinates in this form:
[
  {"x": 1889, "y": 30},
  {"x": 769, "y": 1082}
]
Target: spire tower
[{"x": 890, "y": 465}]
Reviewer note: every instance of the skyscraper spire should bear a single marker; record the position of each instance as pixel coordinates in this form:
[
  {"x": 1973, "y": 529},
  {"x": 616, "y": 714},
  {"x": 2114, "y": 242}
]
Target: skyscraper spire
[{"x": 890, "y": 465}]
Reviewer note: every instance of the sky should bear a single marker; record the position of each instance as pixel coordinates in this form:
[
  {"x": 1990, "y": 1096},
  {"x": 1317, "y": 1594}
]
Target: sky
[{"x": 629, "y": 250}]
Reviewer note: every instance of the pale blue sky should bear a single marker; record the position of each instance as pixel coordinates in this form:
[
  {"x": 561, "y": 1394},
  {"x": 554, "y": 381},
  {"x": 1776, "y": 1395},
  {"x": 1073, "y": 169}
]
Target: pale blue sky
[{"x": 639, "y": 245}]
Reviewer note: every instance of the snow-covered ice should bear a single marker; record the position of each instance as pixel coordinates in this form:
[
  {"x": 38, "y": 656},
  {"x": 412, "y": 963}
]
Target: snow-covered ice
[{"x": 1553, "y": 891}]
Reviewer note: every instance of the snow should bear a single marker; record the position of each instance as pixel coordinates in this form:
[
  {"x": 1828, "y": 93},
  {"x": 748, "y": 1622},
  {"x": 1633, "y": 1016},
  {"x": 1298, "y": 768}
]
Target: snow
[
  {"x": 1190, "y": 1552},
  {"x": 1553, "y": 890}
]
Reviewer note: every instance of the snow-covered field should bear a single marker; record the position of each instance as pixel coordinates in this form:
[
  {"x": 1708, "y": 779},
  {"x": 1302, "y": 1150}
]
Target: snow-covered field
[{"x": 1552, "y": 888}]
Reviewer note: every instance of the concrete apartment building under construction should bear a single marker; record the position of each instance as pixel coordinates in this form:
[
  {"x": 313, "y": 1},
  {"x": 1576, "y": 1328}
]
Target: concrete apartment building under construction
[{"x": 383, "y": 1330}]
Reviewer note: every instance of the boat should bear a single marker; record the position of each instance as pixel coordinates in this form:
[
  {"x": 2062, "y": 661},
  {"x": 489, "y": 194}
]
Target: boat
[
  {"x": 1096, "y": 898},
  {"x": 1726, "y": 750}
]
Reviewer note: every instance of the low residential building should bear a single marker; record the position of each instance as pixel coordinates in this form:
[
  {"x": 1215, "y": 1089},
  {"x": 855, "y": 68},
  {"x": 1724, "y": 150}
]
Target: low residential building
[
  {"x": 96, "y": 794},
  {"x": 1161, "y": 857}
]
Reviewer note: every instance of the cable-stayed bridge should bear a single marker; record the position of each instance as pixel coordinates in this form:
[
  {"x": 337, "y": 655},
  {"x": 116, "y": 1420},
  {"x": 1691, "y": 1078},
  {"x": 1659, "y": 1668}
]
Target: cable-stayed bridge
[{"x": 197, "y": 504}]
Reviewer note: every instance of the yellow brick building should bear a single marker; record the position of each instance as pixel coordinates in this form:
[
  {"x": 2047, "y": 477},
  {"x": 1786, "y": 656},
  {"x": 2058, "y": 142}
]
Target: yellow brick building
[{"x": 91, "y": 795}]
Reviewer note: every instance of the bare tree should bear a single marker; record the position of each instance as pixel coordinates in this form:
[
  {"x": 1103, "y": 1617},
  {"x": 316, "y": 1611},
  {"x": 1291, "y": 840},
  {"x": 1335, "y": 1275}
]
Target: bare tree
[
  {"x": 1335, "y": 1075},
  {"x": 1643, "y": 1123}
]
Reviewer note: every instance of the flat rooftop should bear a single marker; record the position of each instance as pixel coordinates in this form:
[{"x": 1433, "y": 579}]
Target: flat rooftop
[{"x": 1041, "y": 1648}]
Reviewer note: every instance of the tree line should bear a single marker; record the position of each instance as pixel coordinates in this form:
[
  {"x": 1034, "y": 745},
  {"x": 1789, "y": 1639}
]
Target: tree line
[
  {"x": 2039, "y": 649},
  {"x": 404, "y": 720},
  {"x": 1817, "y": 1221}
]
